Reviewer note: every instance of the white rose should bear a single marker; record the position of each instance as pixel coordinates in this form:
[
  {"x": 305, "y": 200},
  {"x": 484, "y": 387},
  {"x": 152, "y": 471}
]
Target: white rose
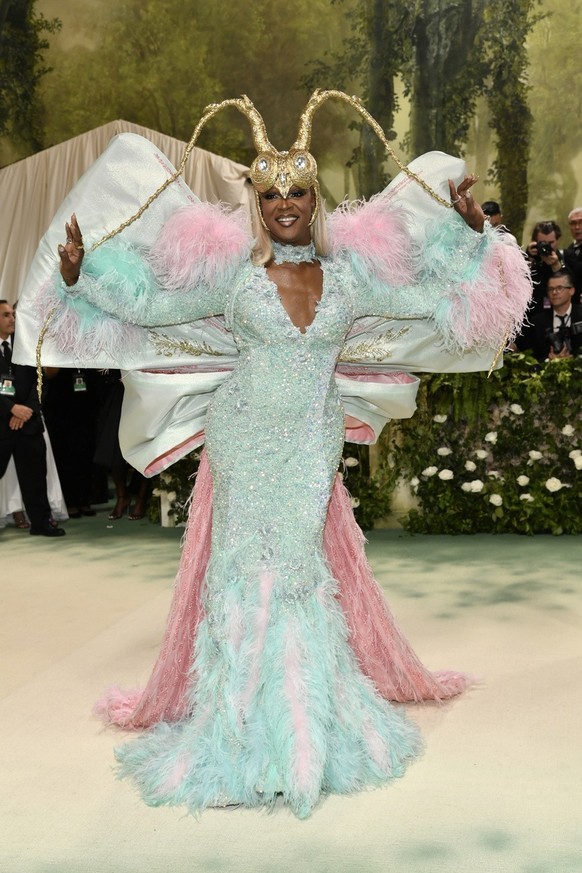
[
  {"x": 496, "y": 499},
  {"x": 578, "y": 462},
  {"x": 470, "y": 466},
  {"x": 170, "y": 496},
  {"x": 494, "y": 474},
  {"x": 476, "y": 486},
  {"x": 534, "y": 455},
  {"x": 516, "y": 409},
  {"x": 575, "y": 453},
  {"x": 429, "y": 471},
  {"x": 553, "y": 484},
  {"x": 355, "y": 501},
  {"x": 523, "y": 481},
  {"x": 567, "y": 430},
  {"x": 481, "y": 454},
  {"x": 446, "y": 474},
  {"x": 443, "y": 451},
  {"x": 414, "y": 482},
  {"x": 527, "y": 497},
  {"x": 351, "y": 462},
  {"x": 440, "y": 419},
  {"x": 491, "y": 437},
  {"x": 157, "y": 492},
  {"x": 466, "y": 486}
]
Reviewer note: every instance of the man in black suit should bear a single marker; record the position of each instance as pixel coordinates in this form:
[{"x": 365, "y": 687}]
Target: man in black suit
[
  {"x": 555, "y": 332},
  {"x": 21, "y": 431}
]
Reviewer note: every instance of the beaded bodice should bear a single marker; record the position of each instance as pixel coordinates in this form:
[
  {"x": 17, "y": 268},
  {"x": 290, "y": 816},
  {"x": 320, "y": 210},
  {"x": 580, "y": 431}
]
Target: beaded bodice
[{"x": 258, "y": 317}]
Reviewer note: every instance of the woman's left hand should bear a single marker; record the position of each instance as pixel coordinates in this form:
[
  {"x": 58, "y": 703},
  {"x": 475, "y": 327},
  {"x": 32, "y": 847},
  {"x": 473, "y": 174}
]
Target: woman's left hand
[{"x": 464, "y": 203}]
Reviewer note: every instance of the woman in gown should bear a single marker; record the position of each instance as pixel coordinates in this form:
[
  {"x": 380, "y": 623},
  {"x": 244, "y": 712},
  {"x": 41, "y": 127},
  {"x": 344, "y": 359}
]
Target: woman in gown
[{"x": 276, "y": 701}]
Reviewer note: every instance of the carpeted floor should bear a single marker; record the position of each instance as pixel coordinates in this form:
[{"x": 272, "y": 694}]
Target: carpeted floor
[{"x": 498, "y": 789}]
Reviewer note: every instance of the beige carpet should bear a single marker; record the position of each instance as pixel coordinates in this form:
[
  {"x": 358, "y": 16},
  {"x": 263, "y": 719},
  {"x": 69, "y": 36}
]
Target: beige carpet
[{"x": 499, "y": 787}]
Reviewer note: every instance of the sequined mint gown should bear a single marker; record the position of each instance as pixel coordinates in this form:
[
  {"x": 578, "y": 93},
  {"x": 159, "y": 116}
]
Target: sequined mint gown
[{"x": 278, "y": 702}]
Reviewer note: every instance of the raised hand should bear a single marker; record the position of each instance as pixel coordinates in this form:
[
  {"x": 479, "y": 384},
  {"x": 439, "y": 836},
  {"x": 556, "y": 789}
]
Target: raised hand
[
  {"x": 71, "y": 254},
  {"x": 464, "y": 203}
]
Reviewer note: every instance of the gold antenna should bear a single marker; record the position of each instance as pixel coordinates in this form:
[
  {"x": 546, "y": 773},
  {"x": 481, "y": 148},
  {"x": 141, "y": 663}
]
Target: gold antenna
[{"x": 316, "y": 101}]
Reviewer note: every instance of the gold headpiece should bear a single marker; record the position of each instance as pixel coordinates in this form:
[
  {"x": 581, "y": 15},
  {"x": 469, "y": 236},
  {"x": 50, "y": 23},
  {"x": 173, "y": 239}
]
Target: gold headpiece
[{"x": 275, "y": 169}]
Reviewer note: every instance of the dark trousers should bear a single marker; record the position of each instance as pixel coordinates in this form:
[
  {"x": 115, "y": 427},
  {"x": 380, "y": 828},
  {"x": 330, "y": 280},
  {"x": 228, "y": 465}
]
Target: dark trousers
[{"x": 29, "y": 453}]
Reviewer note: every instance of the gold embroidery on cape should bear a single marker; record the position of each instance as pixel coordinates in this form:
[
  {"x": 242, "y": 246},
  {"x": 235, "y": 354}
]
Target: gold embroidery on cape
[
  {"x": 376, "y": 349},
  {"x": 166, "y": 345}
]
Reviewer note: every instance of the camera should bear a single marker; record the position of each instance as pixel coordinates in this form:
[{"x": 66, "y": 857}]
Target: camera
[
  {"x": 563, "y": 337},
  {"x": 544, "y": 249}
]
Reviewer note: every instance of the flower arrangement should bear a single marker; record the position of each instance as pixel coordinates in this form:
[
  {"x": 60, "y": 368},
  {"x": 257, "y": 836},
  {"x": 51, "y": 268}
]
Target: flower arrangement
[{"x": 496, "y": 455}]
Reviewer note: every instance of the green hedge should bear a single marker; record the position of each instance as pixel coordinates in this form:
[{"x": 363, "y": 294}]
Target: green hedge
[{"x": 498, "y": 455}]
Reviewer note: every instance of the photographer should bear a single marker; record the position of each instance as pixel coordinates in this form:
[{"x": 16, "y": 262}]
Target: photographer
[
  {"x": 556, "y": 332},
  {"x": 545, "y": 259}
]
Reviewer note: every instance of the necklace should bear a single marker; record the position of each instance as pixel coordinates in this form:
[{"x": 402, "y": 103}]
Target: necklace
[{"x": 283, "y": 254}]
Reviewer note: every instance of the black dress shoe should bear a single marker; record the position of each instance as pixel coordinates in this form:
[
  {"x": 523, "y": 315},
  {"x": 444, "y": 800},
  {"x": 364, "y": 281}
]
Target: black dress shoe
[{"x": 46, "y": 530}]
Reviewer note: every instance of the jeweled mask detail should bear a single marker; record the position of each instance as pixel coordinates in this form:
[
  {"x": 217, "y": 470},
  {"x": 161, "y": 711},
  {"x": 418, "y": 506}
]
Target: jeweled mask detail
[{"x": 283, "y": 170}]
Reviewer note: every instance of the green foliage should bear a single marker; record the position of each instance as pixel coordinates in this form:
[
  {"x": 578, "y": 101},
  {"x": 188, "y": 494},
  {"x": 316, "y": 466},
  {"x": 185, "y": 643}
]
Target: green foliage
[
  {"x": 507, "y": 26},
  {"x": 489, "y": 431},
  {"x": 159, "y": 63},
  {"x": 444, "y": 73},
  {"x": 369, "y": 61},
  {"x": 370, "y": 494},
  {"x": 555, "y": 80},
  {"x": 22, "y": 47},
  {"x": 177, "y": 481}
]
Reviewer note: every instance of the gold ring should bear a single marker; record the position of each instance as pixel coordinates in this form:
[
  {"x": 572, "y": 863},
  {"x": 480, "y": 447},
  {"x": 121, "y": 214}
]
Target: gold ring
[{"x": 80, "y": 247}]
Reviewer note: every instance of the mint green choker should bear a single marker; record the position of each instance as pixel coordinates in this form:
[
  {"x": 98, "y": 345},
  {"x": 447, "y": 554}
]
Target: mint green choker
[{"x": 283, "y": 254}]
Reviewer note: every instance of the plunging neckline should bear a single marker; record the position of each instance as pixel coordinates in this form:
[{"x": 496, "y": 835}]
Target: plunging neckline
[{"x": 283, "y": 308}]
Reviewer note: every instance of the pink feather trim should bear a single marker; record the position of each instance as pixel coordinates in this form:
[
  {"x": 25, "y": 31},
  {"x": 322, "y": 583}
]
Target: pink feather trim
[
  {"x": 488, "y": 311},
  {"x": 201, "y": 243},
  {"x": 377, "y": 233},
  {"x": 117, "y": 705},
  {"x": 80, "y": 338}
]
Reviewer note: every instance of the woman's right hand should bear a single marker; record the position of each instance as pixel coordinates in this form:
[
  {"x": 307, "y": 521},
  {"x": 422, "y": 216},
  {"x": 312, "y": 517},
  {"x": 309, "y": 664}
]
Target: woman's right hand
[{"x": 71, "y": 254}]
